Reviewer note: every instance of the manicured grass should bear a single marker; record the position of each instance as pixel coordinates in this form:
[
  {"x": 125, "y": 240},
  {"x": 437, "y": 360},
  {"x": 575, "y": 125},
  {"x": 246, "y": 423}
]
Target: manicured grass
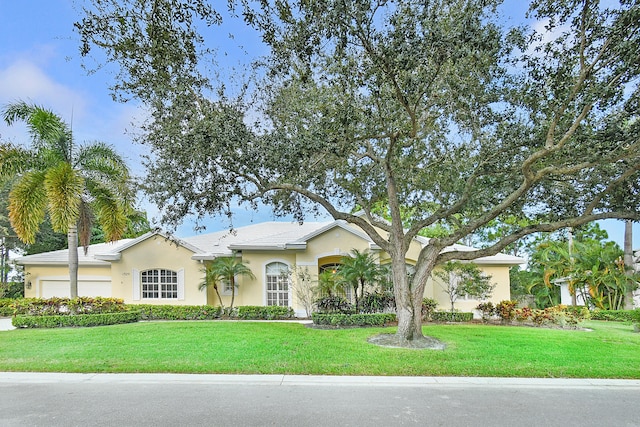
[{"x": 611, "y": 350}]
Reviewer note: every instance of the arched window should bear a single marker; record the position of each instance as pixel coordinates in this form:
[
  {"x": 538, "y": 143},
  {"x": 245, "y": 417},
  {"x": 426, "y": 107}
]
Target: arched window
[
  {"x": 277, "y": 277},
  {"x": 159, "y": 284}
]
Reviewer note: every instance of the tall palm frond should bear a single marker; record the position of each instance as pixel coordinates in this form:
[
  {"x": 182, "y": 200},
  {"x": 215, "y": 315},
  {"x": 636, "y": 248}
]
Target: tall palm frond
[
  {"x": 44, "y": 126},
  {"x": 64, "y": 187},
  {"x": 28, "y": 205},
  {"x": 14, "y": 161}
]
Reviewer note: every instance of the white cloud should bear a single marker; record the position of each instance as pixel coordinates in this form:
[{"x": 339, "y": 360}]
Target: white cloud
[{"x": 23, "y": 80}]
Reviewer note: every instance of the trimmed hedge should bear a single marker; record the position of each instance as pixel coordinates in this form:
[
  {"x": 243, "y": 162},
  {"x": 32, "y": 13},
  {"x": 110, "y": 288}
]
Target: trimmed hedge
[
  {"x": 615, "y": 315},
  {"x": 257, "y": 312},
  {"x": 178, "y": 312},
  {"x": 60, "y": 321},
  {"x": 337, "y": 319},
  {"x": 67, "y": 306},
  {"x": 447, "y": 316}
]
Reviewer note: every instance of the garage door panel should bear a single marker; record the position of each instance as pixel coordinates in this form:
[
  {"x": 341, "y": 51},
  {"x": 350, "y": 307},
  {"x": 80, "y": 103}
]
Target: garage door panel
[{"x": 86, "y": 288}]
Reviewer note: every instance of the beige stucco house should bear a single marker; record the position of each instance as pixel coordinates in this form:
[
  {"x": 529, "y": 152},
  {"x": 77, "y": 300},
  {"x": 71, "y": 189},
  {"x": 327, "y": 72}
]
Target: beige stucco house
[{"x": 157, "y": 269}]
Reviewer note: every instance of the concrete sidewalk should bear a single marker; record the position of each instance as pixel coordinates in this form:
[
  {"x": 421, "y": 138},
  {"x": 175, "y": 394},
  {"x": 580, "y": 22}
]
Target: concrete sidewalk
[{"x": 317, "y": 380}]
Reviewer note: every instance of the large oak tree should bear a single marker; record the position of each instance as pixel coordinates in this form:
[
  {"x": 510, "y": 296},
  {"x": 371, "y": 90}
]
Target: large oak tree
[{"x": 429, "y": 108}]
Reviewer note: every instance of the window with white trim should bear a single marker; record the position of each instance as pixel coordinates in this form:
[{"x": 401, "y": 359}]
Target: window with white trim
[
  {"x": 277, "y": 278},
  {"x": 225, "y": 286},
  {"x": 159, "y": 284}
]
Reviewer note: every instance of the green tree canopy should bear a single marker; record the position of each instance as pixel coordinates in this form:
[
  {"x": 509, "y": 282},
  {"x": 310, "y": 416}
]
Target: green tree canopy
[{"x": 431, "y": 109}]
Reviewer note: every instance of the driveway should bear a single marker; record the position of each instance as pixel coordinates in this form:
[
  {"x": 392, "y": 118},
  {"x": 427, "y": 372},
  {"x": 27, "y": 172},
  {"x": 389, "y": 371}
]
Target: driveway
[{"x": 5, "y": 324}]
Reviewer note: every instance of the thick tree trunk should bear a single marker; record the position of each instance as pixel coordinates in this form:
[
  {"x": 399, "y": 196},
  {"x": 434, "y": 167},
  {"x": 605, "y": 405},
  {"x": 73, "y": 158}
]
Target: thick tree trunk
[
  {"x": 409, "y": 296},
  {"x": 628, "y": 261},
  {"x": 72, "y": 241}
]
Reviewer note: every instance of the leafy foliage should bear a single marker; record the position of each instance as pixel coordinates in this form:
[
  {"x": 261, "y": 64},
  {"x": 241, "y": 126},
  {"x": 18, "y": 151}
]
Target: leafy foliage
[
  {"x": 337, "y": 319},
  {"x": 358, "y": 271},
  {"x": 72, "y": 185},
  {"x": 594, "y": 270},
  {"x": 430, "y": 109},
  {"x": 79, "y": 320},
  {"x": 429, "y": 306},
  {"x": 333, "y": 304},
  {"x": 67, "y": 306},
  {"x": 448, "y": 316},
  {"x": 272, "y": 312},
  {"x": 225, "y": 270},
  {"x": 178, "y": 312}
]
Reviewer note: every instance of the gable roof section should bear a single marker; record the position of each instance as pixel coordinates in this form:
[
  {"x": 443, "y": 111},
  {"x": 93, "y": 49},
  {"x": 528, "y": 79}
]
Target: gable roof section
[
  {"x": 116, "y": 253},
  {"x": 62, "y": 256},
  {"x": 263, "y": 236}
]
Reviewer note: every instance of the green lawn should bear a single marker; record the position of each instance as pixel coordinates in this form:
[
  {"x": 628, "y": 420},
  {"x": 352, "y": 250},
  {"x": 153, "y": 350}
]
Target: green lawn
[{"x": 611, "y": 350}]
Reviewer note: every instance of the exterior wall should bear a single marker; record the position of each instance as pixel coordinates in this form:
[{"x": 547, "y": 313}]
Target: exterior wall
[
  {"x": 37, "y": 275},
  {"x": 254, "y": 292},
  {"x": 502, "y": 291},
  {"x": 157, "y": 252}
]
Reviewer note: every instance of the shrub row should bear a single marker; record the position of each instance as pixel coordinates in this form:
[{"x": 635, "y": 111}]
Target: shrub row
[
  {"x": 67, "y": 306},
  {"x": 616, "y": 315},
  {"x": 338, "y": 319},
  {"x": 60, "y": 321},
  {"x": 256, "y": 312},
  {"x": 447, "y": 316},
  {"x": 560, "y": 315},
  {"x": 178, "y": 312}
]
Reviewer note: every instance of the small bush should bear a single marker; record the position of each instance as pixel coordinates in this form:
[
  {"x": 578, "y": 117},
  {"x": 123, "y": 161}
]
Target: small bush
[
  {"x": 60, "y": 321},
  {"x": 447, "y": 316},
  {"x": 178, "y": 312},
  {"x": 273, "y": 312},
  {"x": 428, "y": 308},
  {"x": 377, "y": 302},
  {"x": 487, "y": 310},
  {"x": 6, "y": 307},
  {"x": 506, "y": 310},
  {"x": 339, "y": 319},
  {"x": 333, "y": 304}
]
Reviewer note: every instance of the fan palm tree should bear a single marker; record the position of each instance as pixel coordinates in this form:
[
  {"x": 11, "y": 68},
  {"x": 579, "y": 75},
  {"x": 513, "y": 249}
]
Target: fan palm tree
[
  {"x": 226, "y": 269},
  {"x": 73, "y": 185},
  {"x": 358, "y": 270}
]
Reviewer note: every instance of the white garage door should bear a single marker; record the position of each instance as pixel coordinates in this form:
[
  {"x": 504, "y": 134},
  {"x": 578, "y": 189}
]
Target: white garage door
[{"x": 86, "y": 288}]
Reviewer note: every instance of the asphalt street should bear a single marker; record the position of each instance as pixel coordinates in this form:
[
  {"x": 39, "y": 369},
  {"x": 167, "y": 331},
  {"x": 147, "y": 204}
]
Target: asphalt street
[{"x": 41, "y": 399}]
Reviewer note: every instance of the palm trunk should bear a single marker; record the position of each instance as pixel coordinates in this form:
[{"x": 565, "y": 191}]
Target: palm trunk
[
  {"x": 72, "y": 240},
  {"x": 215, "y": 288},
  {"x": 628, "y": 261},
  {"x": 233, "y": 292}
]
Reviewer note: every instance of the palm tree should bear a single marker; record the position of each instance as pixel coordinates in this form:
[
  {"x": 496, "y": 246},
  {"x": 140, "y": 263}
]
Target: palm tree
[
  {"x": 227, "y": 269},
  {"x": 358, "y": 270},
  {"x": 212, "y": 278},
  {"x": 73, "y": 185}
]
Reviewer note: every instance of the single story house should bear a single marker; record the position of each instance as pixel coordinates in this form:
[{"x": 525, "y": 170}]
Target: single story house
[{"x": 159, "y": 269}]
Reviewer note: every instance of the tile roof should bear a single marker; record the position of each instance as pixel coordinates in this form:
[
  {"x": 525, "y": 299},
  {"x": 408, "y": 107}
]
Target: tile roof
[{"x": 262, "y": 236}]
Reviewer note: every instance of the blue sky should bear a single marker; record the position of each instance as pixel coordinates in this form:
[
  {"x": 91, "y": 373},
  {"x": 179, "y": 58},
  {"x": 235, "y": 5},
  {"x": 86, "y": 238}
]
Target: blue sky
[{"x": 39, "y": 62}]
